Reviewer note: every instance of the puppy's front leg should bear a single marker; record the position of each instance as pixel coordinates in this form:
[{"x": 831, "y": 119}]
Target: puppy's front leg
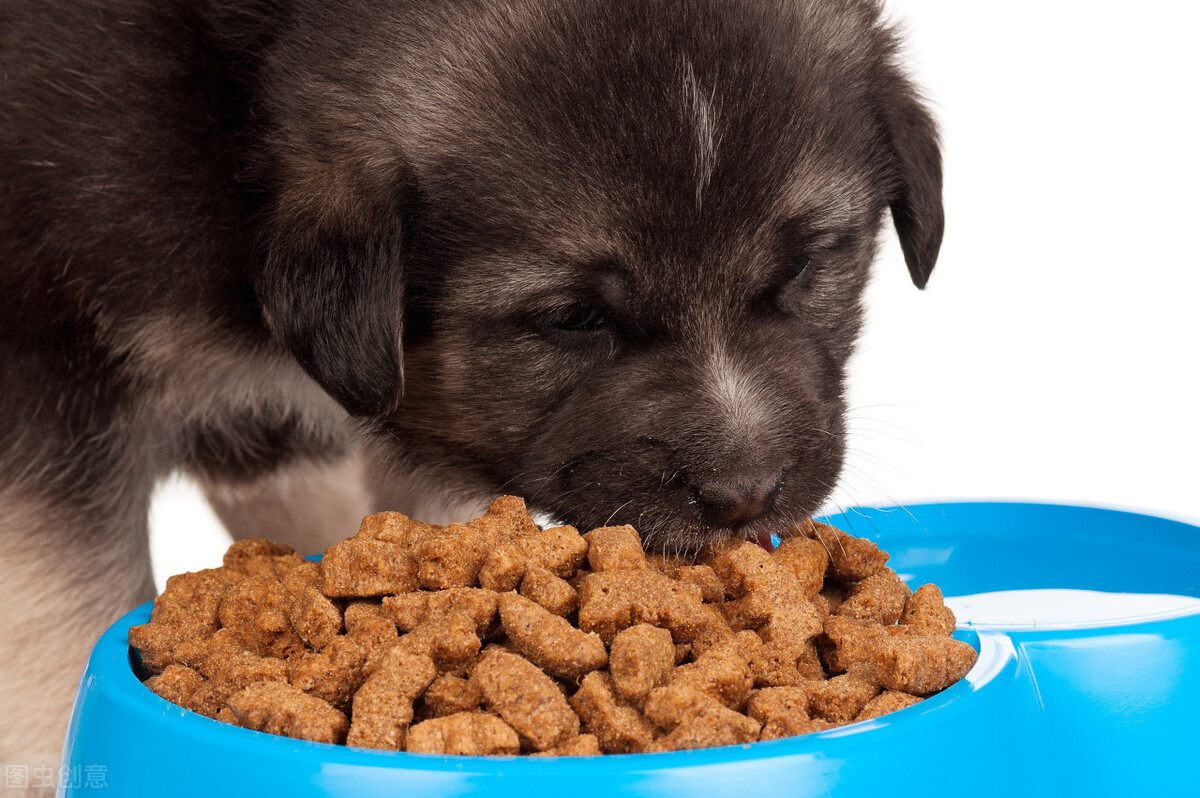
[
  {"x": 308, "y": 504},
  {"x": 70, "y": 568}
]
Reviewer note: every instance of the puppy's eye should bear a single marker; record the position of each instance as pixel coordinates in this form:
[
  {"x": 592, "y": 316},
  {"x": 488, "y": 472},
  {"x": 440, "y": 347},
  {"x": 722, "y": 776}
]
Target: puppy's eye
[
  {"x": 580, "y": 319},
  {"x": 797, "y": 267}
]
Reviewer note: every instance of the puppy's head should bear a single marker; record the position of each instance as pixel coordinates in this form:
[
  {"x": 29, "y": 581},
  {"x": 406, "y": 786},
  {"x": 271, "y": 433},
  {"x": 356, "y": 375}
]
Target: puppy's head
[{"x": 625, "y": 244}]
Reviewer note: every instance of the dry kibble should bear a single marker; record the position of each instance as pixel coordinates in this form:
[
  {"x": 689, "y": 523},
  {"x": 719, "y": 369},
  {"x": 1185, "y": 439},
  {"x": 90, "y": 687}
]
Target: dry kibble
[
  {"x": 926, "y": 612},
  {"x": 850, "y": 558},
  {"x": 641, "y": 659},
  {"x": 410, "y": 610},
  {"x": 550, "y": 591},
  {"x": 494, "y": 637},
  {"x": 314, "y": 617},
  {"x": 923, "y": 665},
  {"x": 395, "y": 528},
  {"x": 583, "y": 745},
  {"x": 880, "y": 597},
  {"x": 383, "y": 706},
  {"x": 256, "y": 556},
  {"x": 334, "y": 674},
  {"x": 464, "y": 733},
  {"x": 450, "y": 638},
  {"x": 615, "y": 600},
  {"x": 450, "y": 694},
  {"x": 549, "y": 641},
  {"x": 618, "y": 726},
  {"x": 257, "y": 609},
  {"x": 614, "y": 548},
  {"x": 527, "y": 699},
  {"x": 703, "y": 577},
  {"x": 806, "y": 559},
  {"x": 841, "y": 698},
  {"x": 885, "y": 702},
  {"x": 176, "y": 684},
  {"x": 279, "y": 708},
  {"x": 709, "y": 725},
  {"x": 722, "y": 673},
  {"x": 453, "y": 558},
  {"x": 361, "y": 567}
]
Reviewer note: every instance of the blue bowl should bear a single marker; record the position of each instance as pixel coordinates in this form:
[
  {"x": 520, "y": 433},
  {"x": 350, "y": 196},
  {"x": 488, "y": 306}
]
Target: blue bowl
[{"x": 1091, "y": 702}]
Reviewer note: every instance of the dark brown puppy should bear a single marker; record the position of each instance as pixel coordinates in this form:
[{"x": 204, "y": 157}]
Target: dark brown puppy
[{"x": 605, "y": 255}]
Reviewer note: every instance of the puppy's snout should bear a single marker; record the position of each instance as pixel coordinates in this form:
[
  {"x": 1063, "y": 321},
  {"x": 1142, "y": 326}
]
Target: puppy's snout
[{"x": 738, "y": 501}]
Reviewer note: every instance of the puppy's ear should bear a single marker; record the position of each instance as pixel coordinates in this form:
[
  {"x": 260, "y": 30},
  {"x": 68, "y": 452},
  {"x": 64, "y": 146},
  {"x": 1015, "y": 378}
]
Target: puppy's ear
[
  {"x": 916, "y": 199},
  {"x": 335, "y": 299}
]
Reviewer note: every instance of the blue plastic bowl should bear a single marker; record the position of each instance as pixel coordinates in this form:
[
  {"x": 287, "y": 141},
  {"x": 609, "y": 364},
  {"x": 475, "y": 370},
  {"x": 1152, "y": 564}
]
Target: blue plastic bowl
[{"x": 1107, "y": 706}]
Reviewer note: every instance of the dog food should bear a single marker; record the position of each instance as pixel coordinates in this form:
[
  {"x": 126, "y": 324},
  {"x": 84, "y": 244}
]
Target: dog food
[{"x": 496, "y": 637}]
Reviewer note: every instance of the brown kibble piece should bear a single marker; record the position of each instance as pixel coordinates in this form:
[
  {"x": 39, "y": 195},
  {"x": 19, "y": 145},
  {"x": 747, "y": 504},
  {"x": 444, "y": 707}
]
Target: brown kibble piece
[
  {"x": 449, "y": 695},
  {"x": 806, "y": 559},
  {"x": 395, "y": 528},
  {"x": 448, "y": 637},
  {"x": 885, "y": 702},
  {"x": 156, "y": 643},
  {"x": 926, "y": 612},
  {"x": 615, "y": 600},
  {"x": 515, "y": 518},
  {"x": 583, "y": 745},
  {"x": 503, "y": 569},
  {"x": 550, "y": 591},
  {"x": 314, "y": 617},
  {"x": 256, "y": 609},
  {"x": 333, "y": 674},
  {"x": 880, "y": 597},
  {"x": 846, "y": 641},
  {"x": 192, "y": 601},
  {"x": 614, "y": 548},
  {"x": 721, "y": 673},
  {"x": 383, "y": 705},
  {"x": 703, "y": 577},
  {"x": 923, "y": 665},
  {"x": 709, "y": 725},
  {"x": 464, "y": 733},
  {"x": 526, "y": 698},
  {"x": 744, "y": 567},
  {"x": 361, "y": 567},
  {"x": 247, "y": 556},
  {"x": 791, "y": 726},
  {"x": 560, "y": 550},
  {"x": 774, "y": 702},
  {"x": 176, "y": 684},
  {"x": 410, "y": 610},
  {"x": 850, "y": 558},
  {"x": 549, "y": 641},
  {"x": 618, "y": 726},
  {"x": 841, "y": 698},
  {"x": 279, "y": 708},
  {"x": 453, "y": 558},
  {"x": 641, "y": 659}
]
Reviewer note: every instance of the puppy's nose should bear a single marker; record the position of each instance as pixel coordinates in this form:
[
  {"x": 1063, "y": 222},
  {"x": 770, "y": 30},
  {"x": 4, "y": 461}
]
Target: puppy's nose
[{"x": 737, "y": 502}]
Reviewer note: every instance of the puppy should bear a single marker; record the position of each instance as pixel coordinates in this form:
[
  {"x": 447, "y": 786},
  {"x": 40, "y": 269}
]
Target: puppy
[{"x": 604, "y": 254}]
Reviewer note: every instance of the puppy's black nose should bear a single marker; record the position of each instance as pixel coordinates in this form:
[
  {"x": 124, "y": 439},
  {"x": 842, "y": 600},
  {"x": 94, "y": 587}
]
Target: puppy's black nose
[{"x": 737, "y": 502}]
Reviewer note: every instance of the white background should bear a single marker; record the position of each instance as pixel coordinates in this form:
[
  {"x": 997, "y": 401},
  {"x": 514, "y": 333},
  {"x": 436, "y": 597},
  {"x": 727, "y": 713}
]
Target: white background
[{"x": 1054, "y": 354}]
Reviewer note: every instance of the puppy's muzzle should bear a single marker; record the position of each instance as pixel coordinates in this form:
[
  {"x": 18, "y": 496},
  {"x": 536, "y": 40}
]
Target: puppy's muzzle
[{"x": 736, "y": 502}]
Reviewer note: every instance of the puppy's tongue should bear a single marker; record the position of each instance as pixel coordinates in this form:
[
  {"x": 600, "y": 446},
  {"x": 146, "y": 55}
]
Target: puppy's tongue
[{"x": 766, "y": 542}]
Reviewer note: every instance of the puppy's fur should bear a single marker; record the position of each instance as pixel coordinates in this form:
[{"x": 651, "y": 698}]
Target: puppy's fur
[{"x": 605, "y": 254}]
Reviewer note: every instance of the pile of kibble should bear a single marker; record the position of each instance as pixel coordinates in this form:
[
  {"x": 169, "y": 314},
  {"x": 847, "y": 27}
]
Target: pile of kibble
[{"x": 498, "y": 637}]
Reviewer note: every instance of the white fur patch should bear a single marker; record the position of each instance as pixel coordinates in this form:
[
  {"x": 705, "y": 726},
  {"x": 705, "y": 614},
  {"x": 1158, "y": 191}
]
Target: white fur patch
[
  {"x": 736, "y": 394},
  {"x": 704, "y": 124}
]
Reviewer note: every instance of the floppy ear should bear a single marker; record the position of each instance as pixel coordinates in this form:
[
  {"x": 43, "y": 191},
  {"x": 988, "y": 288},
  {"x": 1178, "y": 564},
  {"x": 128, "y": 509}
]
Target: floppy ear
[
  {"x": 335, "y": 300},
  {"x": 916, "y": 200}
]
